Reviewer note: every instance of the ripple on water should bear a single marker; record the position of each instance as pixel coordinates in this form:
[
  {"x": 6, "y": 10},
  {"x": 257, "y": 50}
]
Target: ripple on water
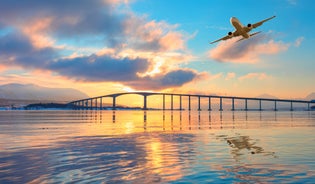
[{"x": 224, "y": 148}]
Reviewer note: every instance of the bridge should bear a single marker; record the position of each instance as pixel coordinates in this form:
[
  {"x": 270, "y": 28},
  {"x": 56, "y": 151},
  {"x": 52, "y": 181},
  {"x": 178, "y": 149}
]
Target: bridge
[{"x": 96, "y": 103}]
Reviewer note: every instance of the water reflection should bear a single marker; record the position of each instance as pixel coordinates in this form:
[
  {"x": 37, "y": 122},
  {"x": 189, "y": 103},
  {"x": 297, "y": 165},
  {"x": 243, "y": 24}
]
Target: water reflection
[
  {"x": 156, "y": 147},
  {"x": 114, "y": 117},
  {"x": 149, "y": 158},
  {"x": 242, "y": 145}
]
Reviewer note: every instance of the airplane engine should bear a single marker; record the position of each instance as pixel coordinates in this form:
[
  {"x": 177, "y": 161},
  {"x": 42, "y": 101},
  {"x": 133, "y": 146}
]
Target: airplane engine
[
  {"x": 230, "y": 34},
  {"x": 250, "y": 26}
]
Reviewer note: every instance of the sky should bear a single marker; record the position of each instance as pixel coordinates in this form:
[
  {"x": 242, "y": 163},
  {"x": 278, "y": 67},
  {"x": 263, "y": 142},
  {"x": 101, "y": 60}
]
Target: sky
[{"x": 107, "y": 46}]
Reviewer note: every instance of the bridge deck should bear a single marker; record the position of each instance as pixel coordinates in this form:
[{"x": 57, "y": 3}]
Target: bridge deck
[{"x": 83, "y": 103}]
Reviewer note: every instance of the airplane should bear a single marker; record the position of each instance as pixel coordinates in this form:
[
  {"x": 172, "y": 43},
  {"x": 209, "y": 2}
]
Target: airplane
[{"x": 241, "y": 30}]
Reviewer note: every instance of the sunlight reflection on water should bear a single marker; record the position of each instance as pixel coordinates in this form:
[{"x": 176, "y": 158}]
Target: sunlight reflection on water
[{"x": 156, "y": 146}]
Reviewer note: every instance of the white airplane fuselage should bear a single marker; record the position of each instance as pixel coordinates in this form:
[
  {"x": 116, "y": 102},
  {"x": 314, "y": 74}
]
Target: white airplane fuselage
[{"x": 240, "y": 29}]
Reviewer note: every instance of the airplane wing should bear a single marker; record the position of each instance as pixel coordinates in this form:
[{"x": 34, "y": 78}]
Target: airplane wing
[
  {"x": 224, "y": 38},
  {"x": 261, "y": 22},
  {"x": 249, "y": 35}
]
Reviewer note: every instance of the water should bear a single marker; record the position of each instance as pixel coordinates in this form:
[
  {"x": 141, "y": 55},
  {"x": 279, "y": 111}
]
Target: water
[{"x": 156, "y": 147}]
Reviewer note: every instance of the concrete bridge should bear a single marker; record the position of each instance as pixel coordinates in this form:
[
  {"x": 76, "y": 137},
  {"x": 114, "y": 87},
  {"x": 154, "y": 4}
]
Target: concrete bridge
[{"x": 97, "y": 102}]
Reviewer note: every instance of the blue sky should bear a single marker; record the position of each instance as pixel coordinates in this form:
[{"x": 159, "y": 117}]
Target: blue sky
[
  {"x": 106, "y": 46},
  {"x": 210, "y": 20}
]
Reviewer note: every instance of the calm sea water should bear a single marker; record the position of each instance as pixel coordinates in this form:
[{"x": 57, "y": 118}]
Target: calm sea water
[{"x": 156, "y": 147}]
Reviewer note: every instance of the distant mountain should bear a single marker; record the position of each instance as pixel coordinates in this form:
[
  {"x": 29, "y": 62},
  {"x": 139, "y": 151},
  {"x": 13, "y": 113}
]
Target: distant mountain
[
  {"x": 266, "y": 96},
  {"x": 310, "y": 96},
  {"x": 34, "y": 92}
]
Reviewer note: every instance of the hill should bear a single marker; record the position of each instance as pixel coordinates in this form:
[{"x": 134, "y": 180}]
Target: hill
[
  {"x": 310, "y": 96},
  {"x": 22, "y": 92},
  {"x": 266, "y": 96}
]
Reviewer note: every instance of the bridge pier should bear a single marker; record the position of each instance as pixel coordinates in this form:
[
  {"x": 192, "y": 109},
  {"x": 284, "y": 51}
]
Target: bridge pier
[
  {"x": 275, "y": 105},
  {"x": 144, "y": 102},
  {"x": 114, "y": 103},
  {"x": 246, "y": 109},
  {"x": 101, "y": 104},
  {"x": 180, "y": 103},
  {"x": 199, "y": 109},
  {"x": 163, "y": 102},
  {"x": 209, "y": 104},
  {"x": 189, "y": 103},
  {"x": 291, "y": 106},
  {"x": 172, "y": 102},
  {"x": 233, "y": 107},
  {"x": 221, "y": 109},
  {"x": 260, "y": 105},
  {"x": 308, "y": 107}
]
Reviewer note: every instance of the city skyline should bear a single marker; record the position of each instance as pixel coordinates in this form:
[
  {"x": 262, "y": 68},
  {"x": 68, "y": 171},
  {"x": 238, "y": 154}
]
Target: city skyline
[{"x": 102, "y": 47}]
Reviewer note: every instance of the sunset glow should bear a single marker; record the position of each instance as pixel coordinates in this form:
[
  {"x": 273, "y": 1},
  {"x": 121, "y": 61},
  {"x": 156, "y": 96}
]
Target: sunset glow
[{"x": 108, "y": 46}]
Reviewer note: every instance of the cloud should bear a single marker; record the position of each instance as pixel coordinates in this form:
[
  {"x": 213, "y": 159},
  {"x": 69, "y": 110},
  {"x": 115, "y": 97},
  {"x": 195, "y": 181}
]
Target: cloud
[
  {"x": 47, "y": 21},
  {"x": 93, "y": 68},
  {"x": 247, "y": 51},
  {"x": 172, "y": 41},
  {"x": 100, "y": 68},
  {"x": 34, "y": 32},
  {"x": 259, "y": 76},
  {"x": 86, "y": 68},
  {"x": 214, "y": 76},
  {"x": 17, "y": 49},
  {"x": 298, "y": 41},
  {"x": 123, "y": 47},
  {"x": 230, "y": 75},
  {"x": 74, "y": 19},
  {"x": 171, "y": 79},
  {"x": 2, "y": 68},
  {"x": 154, "y": 36}
]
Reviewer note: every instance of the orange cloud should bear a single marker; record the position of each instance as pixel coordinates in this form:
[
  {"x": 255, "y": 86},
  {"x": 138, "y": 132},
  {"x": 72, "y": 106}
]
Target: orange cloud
[
  {"x": 172, "y": 41},
  {"x": 35, "y": 31},
  {"x": 247, "y": 51},
  {"x": 259, "y": 76},
  {"x": 124, "y": 36},
  {"x": 105, "y": 51},
  {"x": 160, "y": 62},
  {"x": 117, "y": 2},
  {"x": 154, "y": 36},
  {"x": 2, "y": 68},
  {"x": 230, "y": 75}
]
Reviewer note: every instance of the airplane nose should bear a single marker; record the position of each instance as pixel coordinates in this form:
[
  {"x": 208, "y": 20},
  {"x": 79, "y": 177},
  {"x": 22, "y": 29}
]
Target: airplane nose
[{"x": 233, "y": 19}]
